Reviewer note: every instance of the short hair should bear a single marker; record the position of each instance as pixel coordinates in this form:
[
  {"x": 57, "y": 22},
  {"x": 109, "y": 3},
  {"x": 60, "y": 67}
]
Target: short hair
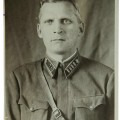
[{"x": 73, "y": 2}]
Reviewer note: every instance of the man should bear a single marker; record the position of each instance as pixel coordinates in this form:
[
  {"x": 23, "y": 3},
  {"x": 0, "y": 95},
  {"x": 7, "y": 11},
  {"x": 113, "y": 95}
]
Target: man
[{"x": 63, "y": 85}]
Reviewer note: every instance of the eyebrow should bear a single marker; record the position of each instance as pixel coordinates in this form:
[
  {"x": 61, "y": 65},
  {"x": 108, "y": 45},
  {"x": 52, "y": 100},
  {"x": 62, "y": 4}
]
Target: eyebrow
[{"x": 62, "y": 17}]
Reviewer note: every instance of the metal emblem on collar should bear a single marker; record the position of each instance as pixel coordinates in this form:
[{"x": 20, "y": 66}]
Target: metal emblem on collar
[{"x": 57, "y": 114}]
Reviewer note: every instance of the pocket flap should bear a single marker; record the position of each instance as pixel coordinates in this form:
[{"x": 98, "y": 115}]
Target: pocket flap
[
  {"x": 90, "y": 102},
  {"x": 39, "y": 104},
  {"x": 34, "y": 104}
]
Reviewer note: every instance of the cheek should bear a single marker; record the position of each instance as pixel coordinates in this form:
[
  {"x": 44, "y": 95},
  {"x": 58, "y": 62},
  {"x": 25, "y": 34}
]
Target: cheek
[
  {"x": 73, "y": 33},
  {"x": 45, "y": 31},
  {"x": 45, "y": 36}
]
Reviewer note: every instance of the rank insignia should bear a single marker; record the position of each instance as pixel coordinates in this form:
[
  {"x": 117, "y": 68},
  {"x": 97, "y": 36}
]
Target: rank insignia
[{"x": 72, "y": 66}]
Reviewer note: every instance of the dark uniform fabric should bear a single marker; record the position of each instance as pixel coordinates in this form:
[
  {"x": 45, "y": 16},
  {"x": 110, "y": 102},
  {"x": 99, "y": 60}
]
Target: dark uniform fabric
[{"x": 82, "y": 90}]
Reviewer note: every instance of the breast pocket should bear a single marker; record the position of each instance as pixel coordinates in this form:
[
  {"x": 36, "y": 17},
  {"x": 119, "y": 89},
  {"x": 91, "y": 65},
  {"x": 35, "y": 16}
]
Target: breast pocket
[
  {"x": 90, "y": 108},
  {"x": 34, "y": 110}
]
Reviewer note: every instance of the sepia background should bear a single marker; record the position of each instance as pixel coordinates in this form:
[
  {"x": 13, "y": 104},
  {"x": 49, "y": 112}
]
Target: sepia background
[{"x": 22, "y": 44}]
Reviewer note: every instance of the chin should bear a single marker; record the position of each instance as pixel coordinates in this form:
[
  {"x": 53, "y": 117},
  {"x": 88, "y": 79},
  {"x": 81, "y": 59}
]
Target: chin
[{"x": 60, "y": 52}]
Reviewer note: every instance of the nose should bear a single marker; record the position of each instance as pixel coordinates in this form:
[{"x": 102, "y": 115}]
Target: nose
[{"x": 58, "y": 28}]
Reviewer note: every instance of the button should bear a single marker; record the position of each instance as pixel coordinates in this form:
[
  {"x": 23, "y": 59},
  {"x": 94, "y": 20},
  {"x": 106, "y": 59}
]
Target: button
[
  {"x": 91, "y": 107},
  {"x": 31, "y": 108}
]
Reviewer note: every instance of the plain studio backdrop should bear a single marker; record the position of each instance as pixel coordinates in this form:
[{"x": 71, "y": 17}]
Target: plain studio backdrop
[{"x": 22, "y": 44}]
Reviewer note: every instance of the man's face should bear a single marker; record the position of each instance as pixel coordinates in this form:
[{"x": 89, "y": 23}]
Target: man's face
[{"x": 59, "y": 27}]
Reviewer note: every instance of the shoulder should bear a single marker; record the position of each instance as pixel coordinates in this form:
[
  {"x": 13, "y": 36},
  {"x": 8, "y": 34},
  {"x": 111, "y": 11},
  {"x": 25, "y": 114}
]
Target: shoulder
[
  {"x": 28, "y": 67},
  {"x": 94, "y": 66}
]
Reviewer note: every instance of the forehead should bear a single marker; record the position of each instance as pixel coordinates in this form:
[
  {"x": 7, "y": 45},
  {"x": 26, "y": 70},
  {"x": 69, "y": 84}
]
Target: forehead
[{"x": 57, "y": 9}]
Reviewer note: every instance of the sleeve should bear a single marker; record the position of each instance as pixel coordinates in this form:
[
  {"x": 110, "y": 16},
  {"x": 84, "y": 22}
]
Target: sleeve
[
  {"x": 12, "y": 109},
  {"x": 110, "y": 98}
]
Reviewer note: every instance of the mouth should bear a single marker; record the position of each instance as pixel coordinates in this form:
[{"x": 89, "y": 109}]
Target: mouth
[{"x": 57, "y": 40}]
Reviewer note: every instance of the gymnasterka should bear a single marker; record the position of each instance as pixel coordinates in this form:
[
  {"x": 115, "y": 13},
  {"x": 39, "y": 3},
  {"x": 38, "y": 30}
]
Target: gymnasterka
[{"x": 82, "y": 90}]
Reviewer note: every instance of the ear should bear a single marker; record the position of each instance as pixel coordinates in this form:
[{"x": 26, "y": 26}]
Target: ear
[
  {"x": 81, "y": 27},
  {"x": 39, "y": 31}
]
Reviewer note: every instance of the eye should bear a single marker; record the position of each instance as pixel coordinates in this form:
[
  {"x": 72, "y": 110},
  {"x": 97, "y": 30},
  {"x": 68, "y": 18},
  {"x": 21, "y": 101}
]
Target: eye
[
  {"x": 66, "y": 21},
  {"x": 50, "y": 21}
]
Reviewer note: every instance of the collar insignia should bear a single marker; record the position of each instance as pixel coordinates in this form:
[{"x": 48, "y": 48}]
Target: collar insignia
[
  {"x": 69, "y": 67},
  {"x": 72, "y": 66},
  {"x": 51, "y": 68}
]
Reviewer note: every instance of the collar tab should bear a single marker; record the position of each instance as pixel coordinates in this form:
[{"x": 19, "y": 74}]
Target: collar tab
[
  {"x": 50, "y": 67},
  {"x": 72, "y": 66}
]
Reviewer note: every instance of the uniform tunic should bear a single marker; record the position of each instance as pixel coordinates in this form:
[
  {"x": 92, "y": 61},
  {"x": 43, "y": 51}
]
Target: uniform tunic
[{"x": 82, "y": 90}]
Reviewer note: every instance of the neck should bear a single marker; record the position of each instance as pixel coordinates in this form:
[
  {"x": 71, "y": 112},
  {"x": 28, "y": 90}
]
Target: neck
[{"x": 60, "y": 57}]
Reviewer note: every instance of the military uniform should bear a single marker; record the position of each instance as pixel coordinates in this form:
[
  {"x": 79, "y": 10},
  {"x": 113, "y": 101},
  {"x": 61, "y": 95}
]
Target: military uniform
[{"x": 82, "y": 89}]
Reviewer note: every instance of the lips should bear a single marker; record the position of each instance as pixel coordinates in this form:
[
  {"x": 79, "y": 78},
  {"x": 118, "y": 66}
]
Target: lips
[{"x": 58, "y": 40}]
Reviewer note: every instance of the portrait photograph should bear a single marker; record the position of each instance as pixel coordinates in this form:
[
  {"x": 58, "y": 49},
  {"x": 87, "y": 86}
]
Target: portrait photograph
[{"x": 60, "y": 60}]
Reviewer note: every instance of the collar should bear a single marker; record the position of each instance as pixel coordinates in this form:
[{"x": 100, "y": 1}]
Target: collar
[{"x": 70, "y": 65}]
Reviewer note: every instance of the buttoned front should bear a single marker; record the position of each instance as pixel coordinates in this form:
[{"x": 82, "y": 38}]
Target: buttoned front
[{"x": 87, "y": 94}]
